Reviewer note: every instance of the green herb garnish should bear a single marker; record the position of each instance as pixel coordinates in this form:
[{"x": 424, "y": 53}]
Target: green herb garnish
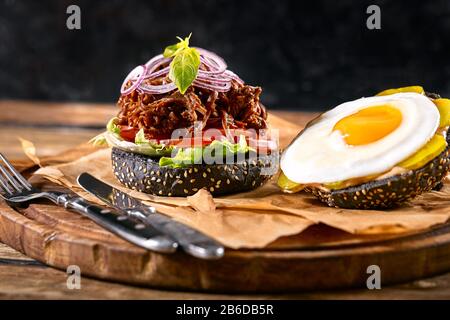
[{"x": 185, "y": 63}]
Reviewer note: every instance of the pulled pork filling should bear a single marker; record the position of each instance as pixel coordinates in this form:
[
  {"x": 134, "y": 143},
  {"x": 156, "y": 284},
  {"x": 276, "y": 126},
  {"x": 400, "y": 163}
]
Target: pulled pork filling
[{"x": 159, "y": 115}]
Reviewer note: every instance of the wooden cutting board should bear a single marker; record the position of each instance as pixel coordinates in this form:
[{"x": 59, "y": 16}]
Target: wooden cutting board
[{"x": 320, "y": 258}]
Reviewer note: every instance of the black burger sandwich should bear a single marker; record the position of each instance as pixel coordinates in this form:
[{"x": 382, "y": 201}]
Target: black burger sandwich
[
  {"x": 374, "y": 152},
  {"x": 185, "y": 123}
]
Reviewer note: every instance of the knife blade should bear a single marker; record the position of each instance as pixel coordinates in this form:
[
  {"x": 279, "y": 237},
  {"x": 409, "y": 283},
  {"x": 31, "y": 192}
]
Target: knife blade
[{"x": 190, "y": 240}]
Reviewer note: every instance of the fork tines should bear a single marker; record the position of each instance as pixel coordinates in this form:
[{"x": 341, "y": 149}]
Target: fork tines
[{"x": 11, "y": 180}]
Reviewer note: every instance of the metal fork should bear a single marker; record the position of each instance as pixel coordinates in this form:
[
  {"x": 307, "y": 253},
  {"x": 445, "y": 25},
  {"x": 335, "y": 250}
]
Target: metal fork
[{"x": 16, "y": 189}]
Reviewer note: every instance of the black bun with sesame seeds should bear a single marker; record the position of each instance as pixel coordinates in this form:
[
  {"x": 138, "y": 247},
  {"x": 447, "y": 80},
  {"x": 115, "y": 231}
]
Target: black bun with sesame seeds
[
  {"x": 391, "y": 191},
  {"x": 144, "y": 174}
]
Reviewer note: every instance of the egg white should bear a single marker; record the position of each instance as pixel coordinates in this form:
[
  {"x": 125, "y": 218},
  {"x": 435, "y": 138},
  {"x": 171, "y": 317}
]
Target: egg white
[{"x": 320, "y": 155}]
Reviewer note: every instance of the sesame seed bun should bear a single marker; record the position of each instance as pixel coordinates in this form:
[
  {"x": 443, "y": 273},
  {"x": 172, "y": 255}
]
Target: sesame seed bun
[
  {"x": 391, "y": 191},
  {"x": 144, "y": 174}
]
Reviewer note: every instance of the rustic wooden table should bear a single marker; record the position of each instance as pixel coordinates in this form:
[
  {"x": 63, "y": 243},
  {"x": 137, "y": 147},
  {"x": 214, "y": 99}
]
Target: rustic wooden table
[{"x": 54, "y": 127}]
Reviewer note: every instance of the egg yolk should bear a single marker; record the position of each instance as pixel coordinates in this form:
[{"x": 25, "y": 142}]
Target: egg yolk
[{"x": 369, "y": 124}]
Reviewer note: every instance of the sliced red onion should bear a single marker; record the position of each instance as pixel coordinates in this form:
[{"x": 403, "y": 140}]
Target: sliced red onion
[
  {"x": 154, "y": 60},
  {"x": 159, "y": 73},
  {"x": 216, "y": 77},
  {"x": 155, "y": 63},
  {"x": 210, "y": 78},
  {"x": 230, "y": 74},
  {"x": 136, "y": 76},
  {"x": 212, "y": 86},
  {"x": 215, "y": 67},
  {"x": 213, "y": 58},
  {"x": 159, "y": 89}
]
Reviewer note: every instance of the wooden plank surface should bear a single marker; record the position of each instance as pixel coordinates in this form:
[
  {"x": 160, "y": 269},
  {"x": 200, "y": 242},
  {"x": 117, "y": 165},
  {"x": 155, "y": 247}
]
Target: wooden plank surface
[
  {"x": 33, "y": 281},
  {"x": 55, "y": 127}
]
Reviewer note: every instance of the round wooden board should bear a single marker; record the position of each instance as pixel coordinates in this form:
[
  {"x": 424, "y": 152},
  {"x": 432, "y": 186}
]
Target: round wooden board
[{"x": 319, "y": 258}]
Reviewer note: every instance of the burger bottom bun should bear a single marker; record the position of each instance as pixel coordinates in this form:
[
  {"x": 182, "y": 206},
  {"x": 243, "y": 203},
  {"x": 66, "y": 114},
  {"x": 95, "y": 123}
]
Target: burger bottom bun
[{"x": 144, "y": 174}]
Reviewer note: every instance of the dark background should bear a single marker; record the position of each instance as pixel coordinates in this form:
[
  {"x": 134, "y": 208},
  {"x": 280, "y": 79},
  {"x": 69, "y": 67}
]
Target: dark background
[{"x": 306, "y": 55}]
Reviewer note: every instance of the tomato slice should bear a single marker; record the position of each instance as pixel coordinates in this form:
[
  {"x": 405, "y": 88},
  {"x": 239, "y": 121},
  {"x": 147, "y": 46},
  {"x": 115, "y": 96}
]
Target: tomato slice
[
  {"x": 128, "y": 133},
  {"x": 262, "y": 146}
]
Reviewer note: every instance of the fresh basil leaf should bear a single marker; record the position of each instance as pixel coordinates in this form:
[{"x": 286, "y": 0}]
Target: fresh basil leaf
[
  {"x": 184, "y": 68},
  {"x": 174, "y": 49}
]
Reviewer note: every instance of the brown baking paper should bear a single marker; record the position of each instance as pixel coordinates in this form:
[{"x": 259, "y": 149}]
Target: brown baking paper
[{"x": 255, "y": 219}]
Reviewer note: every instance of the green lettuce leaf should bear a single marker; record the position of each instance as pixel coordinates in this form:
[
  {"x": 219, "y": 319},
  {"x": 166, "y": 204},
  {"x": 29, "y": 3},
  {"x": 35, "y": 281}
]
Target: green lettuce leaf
[
  {"x": 189, "y": 156},
  {"x": 99, "y": 140},
  {"x": 112, "y": 138},
  {"x": 140, "y": 138},
  {"x": 159, "y": 149},
  {"x": 183, "y": 156},
  {"x": 113, "y": 128}
]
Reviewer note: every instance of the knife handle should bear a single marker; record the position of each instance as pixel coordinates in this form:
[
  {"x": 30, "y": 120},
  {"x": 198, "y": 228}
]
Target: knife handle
[
  {"x": 122, "y": 225},
  {"x": 191, "y": 241}
]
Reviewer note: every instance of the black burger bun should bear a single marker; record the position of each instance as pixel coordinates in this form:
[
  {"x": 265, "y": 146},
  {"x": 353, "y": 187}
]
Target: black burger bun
[
  {"x": 391, "y": 191},
  {"x": 143, "y": 173}
]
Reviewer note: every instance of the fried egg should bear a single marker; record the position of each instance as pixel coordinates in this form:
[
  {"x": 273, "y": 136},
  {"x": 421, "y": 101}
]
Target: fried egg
[{"x": 360, "y": 138}]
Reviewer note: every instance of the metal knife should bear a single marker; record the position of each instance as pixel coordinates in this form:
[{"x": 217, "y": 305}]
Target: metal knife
[
  {"x": 132, "y": 230},
  {"x": 190, "y": 240}
]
